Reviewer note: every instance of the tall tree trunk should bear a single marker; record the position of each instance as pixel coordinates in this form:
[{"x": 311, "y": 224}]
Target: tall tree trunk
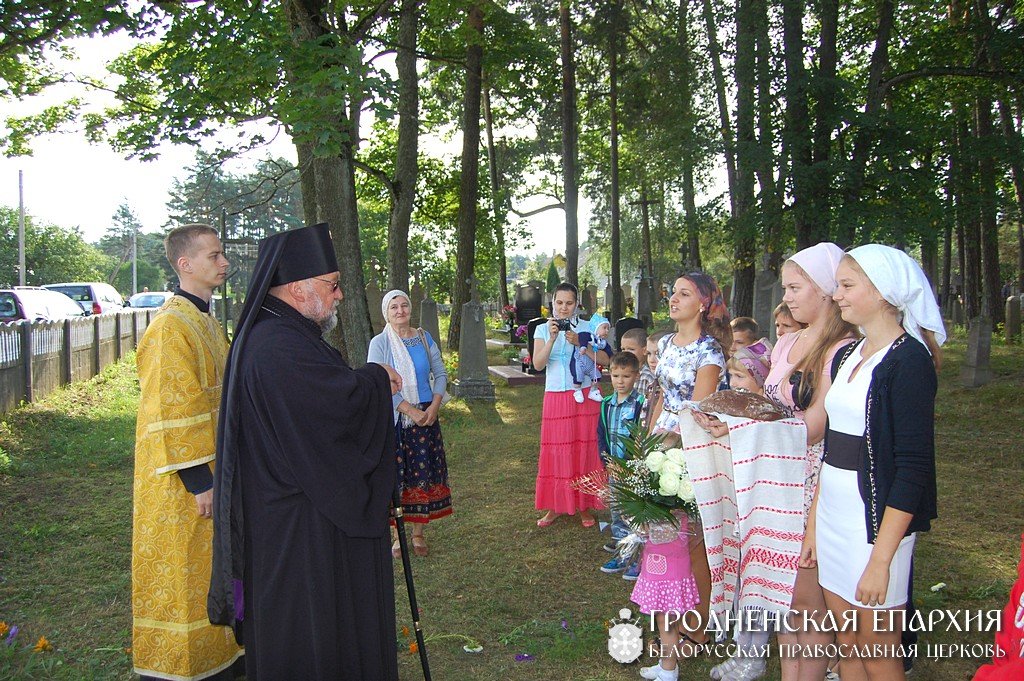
[
  {"x": 407, "y": 149},
  {"x": 797, "y": 132},
  {"x": 684, "y": 80},
  {"x": 771, "y": 191},
  {"x": 826, "y": 86},
  {"x": 496, "y": 201},
  {"x": 945, "y": 288},
  {"x": 744, "y": 241},
  {"x": 570, "y": 135},
  {"x": 1017, "y": 173},
  {"x": 645, "y": 227},
  {"x": 967, "y": 192},
  {"x": 865, "y": 134},
  {"x": 334, "y": 179},
  {"x": 465, "y": 254},
  {"x": 307, "y": 182},
  {"x": 992, "y": 283},
  {"x": 613, "y": 77},
  {"x": 722, "y": 98}
]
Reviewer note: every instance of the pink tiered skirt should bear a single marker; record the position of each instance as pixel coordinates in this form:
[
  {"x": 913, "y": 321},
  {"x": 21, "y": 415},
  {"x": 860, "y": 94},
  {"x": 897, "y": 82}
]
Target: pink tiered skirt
[{"x": 568, "y": 450}]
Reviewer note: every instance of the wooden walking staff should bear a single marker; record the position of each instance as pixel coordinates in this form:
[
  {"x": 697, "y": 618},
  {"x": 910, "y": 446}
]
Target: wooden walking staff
[{"x": 403, "y": 543}]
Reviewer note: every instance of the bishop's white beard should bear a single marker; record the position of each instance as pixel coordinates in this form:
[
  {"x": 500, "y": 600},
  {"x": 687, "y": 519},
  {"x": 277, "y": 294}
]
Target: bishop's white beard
[{"x": 318, "y": 313}]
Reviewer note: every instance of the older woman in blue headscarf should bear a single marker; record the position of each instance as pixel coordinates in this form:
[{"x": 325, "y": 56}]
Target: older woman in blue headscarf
[{"x": 422, "y": 467}]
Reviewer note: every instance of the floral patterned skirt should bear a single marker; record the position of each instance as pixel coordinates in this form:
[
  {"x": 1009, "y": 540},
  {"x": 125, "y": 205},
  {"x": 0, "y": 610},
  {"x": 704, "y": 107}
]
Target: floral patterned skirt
[{"x": 423, "y": 473}]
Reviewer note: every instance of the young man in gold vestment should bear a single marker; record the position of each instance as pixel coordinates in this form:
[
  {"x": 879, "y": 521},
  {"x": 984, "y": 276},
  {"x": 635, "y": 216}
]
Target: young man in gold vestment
[{"x": 181, "y": 364}]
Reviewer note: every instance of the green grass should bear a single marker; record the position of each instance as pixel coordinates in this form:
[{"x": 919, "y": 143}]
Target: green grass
[{"x": 492, "y": 575}]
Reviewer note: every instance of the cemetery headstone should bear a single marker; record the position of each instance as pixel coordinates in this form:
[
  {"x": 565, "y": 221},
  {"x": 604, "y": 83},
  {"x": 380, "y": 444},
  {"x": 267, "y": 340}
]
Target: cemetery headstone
[
  {"x": 590, "y": 298},
  {"x": 528, "y": 302},
  {"x": 766, "y": 285},
  {"x": 415, "y": 297},
  {"x": 474, "y": 381},
  {"x": 958, "y": 311},
  {"x": 373, "y": 300},
  {"x": 975, "y": 371},
  {"x": 428, "y": 316},
  {"x": 1012, "y": 319}
]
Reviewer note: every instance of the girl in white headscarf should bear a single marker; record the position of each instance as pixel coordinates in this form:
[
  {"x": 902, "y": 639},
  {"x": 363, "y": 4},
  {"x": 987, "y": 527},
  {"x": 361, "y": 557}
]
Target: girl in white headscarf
[
  {"x": 877, "y": 487},
  {"x": 422, "y": 464}
]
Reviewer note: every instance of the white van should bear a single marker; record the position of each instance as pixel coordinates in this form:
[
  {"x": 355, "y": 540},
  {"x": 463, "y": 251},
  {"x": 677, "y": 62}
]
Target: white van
[{"x": 95, "y": 297}]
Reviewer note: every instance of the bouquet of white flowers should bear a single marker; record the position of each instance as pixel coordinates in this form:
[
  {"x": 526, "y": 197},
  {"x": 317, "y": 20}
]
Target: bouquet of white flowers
[{"x": 650, "y": 481}]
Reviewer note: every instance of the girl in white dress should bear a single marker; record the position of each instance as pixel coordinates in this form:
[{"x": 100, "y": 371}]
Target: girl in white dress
[{"x": 877, "y": 486}]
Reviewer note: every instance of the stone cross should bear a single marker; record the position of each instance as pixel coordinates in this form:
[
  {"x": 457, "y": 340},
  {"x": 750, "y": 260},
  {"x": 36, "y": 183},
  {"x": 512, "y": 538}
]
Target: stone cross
[{"x": 766, "y": 290}]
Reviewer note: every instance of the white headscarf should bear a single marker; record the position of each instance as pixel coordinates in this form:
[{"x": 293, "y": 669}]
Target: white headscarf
[
  {"x": 902, "y": 283},
  {"x": 820, "y": 262},
  {"x": 403, "y": 360}
]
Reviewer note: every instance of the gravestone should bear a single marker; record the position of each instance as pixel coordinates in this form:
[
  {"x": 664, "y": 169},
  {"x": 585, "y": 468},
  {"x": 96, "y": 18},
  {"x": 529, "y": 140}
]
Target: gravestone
[
  {"x": 628, "y": 303},
  {"x": 590, "y": 298},
  {"x": 975, "y": 371},
  {"x": 373, "y": 300},
  {"x": 766, "y": 287},
  {"x": 958, "y": 311},
  {"x": 474, "y": 381},
  {"x": 428, "y": 317},
  {"x": 528, "y": 302},
  {"x": 645, "y": 303},
  {"x": 415, "y": 296},
  {"x": 608, "y": 297},
  {"x": 1012, "y": 319}
]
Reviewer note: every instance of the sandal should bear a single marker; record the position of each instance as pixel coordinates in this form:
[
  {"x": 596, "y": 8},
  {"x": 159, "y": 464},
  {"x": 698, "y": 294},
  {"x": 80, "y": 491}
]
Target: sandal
[
  {"x": 697, "y": 648},
  {"x": 419, "y": 545},
  {"x": 548, "y": 518},
  {"x": 587, "y": 520}
]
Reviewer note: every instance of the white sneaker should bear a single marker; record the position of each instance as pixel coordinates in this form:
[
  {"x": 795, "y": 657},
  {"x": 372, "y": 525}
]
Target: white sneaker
[
  {"x": 748, "y": 669},
  {"x": 656, "y": 673},
  {"x": 578, "y": 396},
  {"x": 595, "y": 394}
]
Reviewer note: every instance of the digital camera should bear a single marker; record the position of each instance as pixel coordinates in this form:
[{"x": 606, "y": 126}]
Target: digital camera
[{"x": 564, "y": 324}]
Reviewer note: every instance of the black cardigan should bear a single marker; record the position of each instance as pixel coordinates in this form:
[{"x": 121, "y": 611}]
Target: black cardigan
[{"x": 897, "y": 462}]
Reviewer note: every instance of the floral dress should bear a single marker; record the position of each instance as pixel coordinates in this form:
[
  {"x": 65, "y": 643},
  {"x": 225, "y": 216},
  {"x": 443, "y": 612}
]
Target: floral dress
[{"x": 677, "y": 374}]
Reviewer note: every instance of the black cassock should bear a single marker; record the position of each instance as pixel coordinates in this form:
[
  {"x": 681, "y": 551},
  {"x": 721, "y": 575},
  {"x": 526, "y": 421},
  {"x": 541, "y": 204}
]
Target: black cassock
[{"x": 314, "y": 467}]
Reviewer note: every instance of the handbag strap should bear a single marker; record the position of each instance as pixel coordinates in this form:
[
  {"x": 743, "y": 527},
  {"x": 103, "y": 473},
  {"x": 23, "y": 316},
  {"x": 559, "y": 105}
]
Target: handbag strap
[{"x": 426, "y": 350}]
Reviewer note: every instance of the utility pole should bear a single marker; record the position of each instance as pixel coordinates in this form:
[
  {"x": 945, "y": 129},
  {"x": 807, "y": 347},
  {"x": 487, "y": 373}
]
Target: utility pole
[
  {"x": 21, "y": 231},
  {"x": 135, "y": 257}
]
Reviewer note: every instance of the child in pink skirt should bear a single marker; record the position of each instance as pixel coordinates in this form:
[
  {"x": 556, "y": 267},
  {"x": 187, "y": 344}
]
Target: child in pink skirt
[{"x": 666, "y": 587}]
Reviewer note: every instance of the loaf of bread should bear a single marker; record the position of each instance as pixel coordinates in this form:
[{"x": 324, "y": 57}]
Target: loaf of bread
[{"x": 743, "y": 403}]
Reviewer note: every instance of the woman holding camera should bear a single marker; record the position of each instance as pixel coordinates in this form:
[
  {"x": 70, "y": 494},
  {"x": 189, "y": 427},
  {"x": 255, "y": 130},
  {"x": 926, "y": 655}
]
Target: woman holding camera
[{"x": 568, "y": 431}]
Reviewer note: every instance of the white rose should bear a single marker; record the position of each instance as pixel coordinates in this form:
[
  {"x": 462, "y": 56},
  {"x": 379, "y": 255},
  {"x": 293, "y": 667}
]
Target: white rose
[
  {"x": 669, "y": 485},
  {"x": 675, "y": 456},
  {"x": 654, "y": 461},
  {"x": 685, "y": 491},
  {"x": 672, "y": 470}
]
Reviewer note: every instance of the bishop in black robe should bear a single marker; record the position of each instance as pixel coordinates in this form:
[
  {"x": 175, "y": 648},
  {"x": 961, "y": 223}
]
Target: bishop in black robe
[{"x": 305, "y": 477}]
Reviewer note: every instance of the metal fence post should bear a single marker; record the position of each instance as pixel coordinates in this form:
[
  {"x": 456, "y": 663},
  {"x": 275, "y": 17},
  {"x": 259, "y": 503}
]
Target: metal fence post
[
  {"x": 117, "y": 336},
  {"x": 66, "y": 353},
  {"x": 26, "y": 357},
  {"x": 96, "y": 367}
]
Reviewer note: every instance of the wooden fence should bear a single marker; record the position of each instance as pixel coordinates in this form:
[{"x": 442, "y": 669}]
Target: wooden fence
[{"x": 38, "y": 357}]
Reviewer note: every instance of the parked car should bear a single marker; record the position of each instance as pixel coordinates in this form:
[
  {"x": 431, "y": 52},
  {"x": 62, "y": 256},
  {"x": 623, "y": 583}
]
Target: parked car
[
  {"x": 93, "y": 296},
  {"x": 149, "y": 299},
  {"x": 36, "y": 304}
]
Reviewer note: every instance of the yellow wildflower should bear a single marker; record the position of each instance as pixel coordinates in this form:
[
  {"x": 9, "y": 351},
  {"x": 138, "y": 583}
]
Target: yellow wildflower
[
  {"x": 405, "y": 630},
  {"x": 4, "y": 629},
  {"x": 42, "y": 645},
  {"x": 414, "y": 648}
]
